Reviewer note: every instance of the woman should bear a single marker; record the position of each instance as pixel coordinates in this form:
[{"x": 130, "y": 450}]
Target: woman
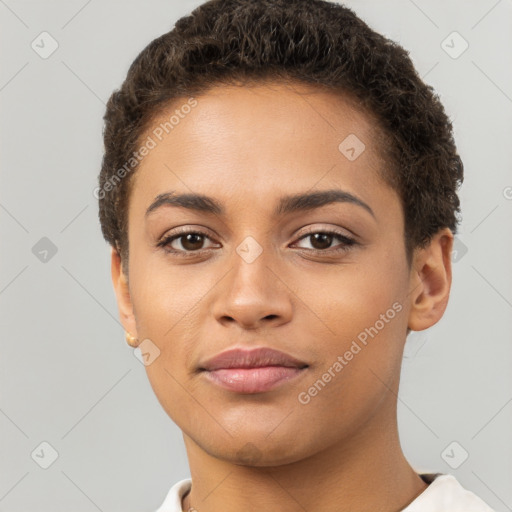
[{"x": 279, "y": 189}]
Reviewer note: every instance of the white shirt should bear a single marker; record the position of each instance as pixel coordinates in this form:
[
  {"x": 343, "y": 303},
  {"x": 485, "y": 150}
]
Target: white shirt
[{"x": 444, "y": 494}]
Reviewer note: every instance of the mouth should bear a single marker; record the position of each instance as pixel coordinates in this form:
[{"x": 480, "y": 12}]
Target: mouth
[
  {"x": 253, "y": 380},
  {"x": 252, "y": 371}
]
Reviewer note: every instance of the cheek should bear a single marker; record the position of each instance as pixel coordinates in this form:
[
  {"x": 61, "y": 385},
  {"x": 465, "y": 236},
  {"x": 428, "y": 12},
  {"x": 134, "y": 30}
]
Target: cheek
[
  {"x": 359, "y": 344},
  {"x": 164, "y": 295},
  {"x": 359, "y": 323},
  {"x": 167, "y": 302},
  {"x": 170, "y": 305},
  {"x": 351, "y": 298}
]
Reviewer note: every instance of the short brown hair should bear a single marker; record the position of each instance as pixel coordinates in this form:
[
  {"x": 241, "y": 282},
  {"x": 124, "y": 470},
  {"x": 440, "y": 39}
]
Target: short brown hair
[{"x": 308, "y": 41}]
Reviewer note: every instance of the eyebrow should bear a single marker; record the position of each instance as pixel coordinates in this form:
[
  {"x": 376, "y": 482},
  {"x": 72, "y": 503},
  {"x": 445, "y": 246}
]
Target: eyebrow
[{"x": 286, "y": 205}]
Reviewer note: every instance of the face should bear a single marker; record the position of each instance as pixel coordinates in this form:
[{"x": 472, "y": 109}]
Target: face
[{"x": 254, "y": 265}]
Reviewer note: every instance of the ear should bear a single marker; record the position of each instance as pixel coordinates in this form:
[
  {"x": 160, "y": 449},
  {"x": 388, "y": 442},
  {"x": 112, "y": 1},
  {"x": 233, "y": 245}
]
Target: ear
[
  {"x": 124, "y": 303},
  {"x": 430, "y": 281}
]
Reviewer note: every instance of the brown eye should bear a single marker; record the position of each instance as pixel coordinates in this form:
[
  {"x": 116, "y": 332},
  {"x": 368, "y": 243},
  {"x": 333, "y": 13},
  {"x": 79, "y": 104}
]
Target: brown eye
[
  {"x": 185, "y": 243},
  {"x": 321, "y": 241},
  {"x": 192, "y": 241}
]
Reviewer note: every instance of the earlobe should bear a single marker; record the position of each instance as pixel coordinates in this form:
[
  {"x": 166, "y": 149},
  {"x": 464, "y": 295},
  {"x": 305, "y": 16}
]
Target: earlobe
[
  {"x": 430, "y": 281},
  {"x": 122, "y": 291}
]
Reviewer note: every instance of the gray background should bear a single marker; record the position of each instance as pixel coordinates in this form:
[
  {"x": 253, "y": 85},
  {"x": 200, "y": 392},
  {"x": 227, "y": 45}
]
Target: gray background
[{"x": 67, "y": 376}]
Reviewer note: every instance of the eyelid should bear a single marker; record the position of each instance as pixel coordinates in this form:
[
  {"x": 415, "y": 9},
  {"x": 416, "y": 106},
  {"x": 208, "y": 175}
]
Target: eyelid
[
  {"x": 348, "y": 242},
  {"x": 185, "y": 230},
  {"x": 328, "y": 229},
  {"x": 180, "y": 232}
]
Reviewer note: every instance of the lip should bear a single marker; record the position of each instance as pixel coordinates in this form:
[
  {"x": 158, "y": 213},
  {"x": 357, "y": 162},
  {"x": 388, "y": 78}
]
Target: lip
[
  {"x": 252, "y": 380},
  {"x": 253, "y": 358},
  {"x": 252, "y": 371}
]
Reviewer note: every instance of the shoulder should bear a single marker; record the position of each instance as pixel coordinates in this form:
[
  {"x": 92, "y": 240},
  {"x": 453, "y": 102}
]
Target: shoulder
[
  {"x": 172, "y": 502},
  {"x": 446, "y": 494}
]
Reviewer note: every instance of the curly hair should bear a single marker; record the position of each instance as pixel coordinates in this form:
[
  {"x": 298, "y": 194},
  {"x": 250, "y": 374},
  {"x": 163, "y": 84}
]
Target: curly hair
[{"x": 313, "y": 42}]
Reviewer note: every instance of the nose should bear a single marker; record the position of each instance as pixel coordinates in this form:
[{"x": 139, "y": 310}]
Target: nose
[{"x": 253, "y": 295}]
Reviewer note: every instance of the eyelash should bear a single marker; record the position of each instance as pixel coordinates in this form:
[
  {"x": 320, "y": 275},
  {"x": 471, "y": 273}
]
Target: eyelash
[{"x": 348, "y": 243}]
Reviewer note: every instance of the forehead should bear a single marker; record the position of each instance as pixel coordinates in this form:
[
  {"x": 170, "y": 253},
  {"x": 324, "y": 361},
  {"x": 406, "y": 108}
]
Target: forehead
[{"x": 263, "y": 139}]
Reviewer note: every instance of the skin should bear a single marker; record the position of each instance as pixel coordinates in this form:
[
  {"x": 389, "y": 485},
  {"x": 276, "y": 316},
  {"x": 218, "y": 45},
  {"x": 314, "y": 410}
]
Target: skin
[{"x": 246, "y": 147}]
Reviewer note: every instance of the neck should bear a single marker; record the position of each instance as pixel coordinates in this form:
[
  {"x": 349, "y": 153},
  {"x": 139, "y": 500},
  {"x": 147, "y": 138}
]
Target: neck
[{"x": 365, "y": 471}]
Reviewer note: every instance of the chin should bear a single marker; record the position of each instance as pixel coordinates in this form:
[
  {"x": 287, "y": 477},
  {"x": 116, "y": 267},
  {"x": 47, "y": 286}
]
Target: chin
[{"x": 268, "y": 453}]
